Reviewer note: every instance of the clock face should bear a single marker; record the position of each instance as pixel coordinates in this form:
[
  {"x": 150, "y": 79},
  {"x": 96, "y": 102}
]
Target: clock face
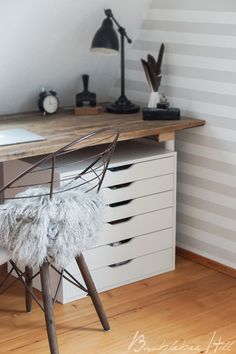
[{"x": 50, "y": 104}]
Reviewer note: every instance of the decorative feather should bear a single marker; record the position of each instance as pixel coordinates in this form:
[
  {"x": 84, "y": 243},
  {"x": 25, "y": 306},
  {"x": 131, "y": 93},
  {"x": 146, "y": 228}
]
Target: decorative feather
[
  {"x": 160, "y": 59},
  {"x": 153, "y": 77},
  {"x": 152, "y": 69},
  {"x": 152, "y": 62},
  {"x": 159, "y": 81},
  {"x": 145, "y": 67}
]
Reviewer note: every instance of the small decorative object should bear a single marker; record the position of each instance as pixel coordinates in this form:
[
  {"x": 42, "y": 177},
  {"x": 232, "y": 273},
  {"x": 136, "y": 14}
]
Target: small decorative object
[
  {"x": 86, "y": 98},
  {"x": 86, "y": 101},
  {"x": 164, "y": 103},
  {"x": 106, "y": 41},
  {"x": 152, "y": 71},
  {"x": 88, "y": 111},
  {"x": 48, "y": 102},
  {"x": 161, "y": 113}
]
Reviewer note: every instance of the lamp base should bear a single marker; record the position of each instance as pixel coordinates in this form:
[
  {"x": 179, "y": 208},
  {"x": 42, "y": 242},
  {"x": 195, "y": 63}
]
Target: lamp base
[{"x": 122, "y": 106}]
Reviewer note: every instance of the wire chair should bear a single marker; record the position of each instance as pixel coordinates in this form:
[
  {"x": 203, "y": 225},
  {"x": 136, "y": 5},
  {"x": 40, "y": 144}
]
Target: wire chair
[{"x": 90, "y": 165}]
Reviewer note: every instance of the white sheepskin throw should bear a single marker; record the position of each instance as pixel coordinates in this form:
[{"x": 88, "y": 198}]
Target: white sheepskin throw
[{"x": 60, "y": 228}]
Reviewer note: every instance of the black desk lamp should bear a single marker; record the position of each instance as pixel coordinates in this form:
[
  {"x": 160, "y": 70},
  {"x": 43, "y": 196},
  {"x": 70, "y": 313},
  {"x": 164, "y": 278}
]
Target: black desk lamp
[{"x": 106, "y": 41}]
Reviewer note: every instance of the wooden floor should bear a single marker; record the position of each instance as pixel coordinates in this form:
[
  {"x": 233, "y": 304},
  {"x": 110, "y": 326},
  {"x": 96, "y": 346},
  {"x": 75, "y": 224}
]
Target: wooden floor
[{"x": 194, "y": 305}]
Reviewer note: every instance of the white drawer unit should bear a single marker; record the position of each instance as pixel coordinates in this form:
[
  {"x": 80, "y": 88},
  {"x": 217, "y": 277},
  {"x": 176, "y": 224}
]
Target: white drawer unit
[
  {"x": 137, "y": 206},
  {"x": 138, "y": 238},
  {"x": 138, "y": 189},
  {"x": 138, "y": 171},
  {"x": 130, "y": 271},
  {"x": 138, "y": 225},
  {"x": 116, "y": 252}
]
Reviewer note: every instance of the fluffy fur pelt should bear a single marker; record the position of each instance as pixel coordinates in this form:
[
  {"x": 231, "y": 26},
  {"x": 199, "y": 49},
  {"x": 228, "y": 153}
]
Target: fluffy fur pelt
[{"x": 60, "y": 228}]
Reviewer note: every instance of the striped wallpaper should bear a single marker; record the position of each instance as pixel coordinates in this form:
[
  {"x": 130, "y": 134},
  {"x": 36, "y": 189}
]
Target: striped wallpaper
[{"x": 200, "y": 78}]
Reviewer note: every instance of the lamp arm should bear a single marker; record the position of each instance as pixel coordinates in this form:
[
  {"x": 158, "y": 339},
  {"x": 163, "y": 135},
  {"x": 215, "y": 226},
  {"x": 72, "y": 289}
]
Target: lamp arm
[{"x": 121, "y": 29}]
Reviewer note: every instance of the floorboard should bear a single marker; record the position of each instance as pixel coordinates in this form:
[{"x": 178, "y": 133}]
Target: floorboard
[{"x": 185, "y": 311}]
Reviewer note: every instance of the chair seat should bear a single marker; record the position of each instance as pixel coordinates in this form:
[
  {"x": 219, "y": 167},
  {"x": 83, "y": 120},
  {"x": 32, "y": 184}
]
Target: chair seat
[
  {"x": 37, "y": 227},
  {"x": 5, "y": 256}
]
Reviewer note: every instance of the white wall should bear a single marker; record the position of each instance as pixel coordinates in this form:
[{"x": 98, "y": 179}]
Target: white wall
[
  {"x": 46, "y": 44},
  {"x": 200, "y": 78}
]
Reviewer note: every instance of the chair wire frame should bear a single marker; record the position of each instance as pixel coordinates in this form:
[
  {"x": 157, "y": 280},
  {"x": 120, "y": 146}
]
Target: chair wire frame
[{"x": 90, "y": 165}]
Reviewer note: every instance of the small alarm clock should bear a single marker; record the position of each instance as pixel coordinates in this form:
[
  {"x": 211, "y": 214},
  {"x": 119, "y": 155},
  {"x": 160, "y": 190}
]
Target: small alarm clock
[{"x": 48, "y": 102}]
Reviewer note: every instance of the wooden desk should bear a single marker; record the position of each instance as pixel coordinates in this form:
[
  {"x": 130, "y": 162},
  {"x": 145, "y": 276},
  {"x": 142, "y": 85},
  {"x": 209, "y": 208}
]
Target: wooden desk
[{"x": 65, "y": 127}]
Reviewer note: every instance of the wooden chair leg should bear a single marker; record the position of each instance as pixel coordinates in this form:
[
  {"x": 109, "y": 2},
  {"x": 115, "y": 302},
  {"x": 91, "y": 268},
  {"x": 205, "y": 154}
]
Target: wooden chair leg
[
  {"x": 29, "y": 283},
  {"x": 48, "y": 308},
  {"x": 92, "y": 291}
]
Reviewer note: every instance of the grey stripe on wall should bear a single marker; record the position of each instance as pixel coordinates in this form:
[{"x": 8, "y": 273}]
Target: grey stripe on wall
[
  {"x": 214, "y": 120},
  {"x": 199, "y": 5},
  {"x": 201, "y": 73},
  {"x": 207, "y": 163},
  {"x": 219, "y": 144},
  {"x": 207, "y": 184},
  {"x": 187, "y": 49},
  {"x": 207, "y": 206},
  {"x": 185, "y": 93},
  {"x": 207, "y": 247},
  {"x": 209, "y": 28},
  {"x": 202, "y": 96},
  {"x": 201, "y": 79},
  {"x": 202, "y": 225},
  {"x": 184, "y": 71}
]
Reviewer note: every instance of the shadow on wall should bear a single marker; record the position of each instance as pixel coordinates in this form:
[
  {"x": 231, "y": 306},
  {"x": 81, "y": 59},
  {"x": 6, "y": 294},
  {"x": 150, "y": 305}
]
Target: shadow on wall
[{"x": 44, "y": 44}]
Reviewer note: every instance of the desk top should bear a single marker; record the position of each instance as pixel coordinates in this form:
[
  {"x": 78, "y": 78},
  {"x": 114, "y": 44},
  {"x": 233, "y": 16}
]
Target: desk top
[{"x": 64, "y": 127}]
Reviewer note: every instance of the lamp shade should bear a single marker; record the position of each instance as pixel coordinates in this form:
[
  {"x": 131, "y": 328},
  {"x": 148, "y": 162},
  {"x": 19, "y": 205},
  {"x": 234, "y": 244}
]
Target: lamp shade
[{"x": 106, "y": 39}]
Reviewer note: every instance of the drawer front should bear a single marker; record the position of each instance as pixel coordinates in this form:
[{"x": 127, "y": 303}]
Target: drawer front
[
  {"x": 138, "y": 268},
  {"x": 115, "y": 194},
  {"x": 128, "y": 249},
  {"x": 128, "y": 208},
  {"x": 138, "y": 171},
  {"x": 137, "y": 225}
]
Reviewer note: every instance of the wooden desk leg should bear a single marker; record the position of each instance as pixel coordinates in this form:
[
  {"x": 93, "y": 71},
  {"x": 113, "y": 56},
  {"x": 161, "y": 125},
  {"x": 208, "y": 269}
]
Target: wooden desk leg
[
  {"x": 170, "y": 145},
  {"x": 168, "y": 139}
]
